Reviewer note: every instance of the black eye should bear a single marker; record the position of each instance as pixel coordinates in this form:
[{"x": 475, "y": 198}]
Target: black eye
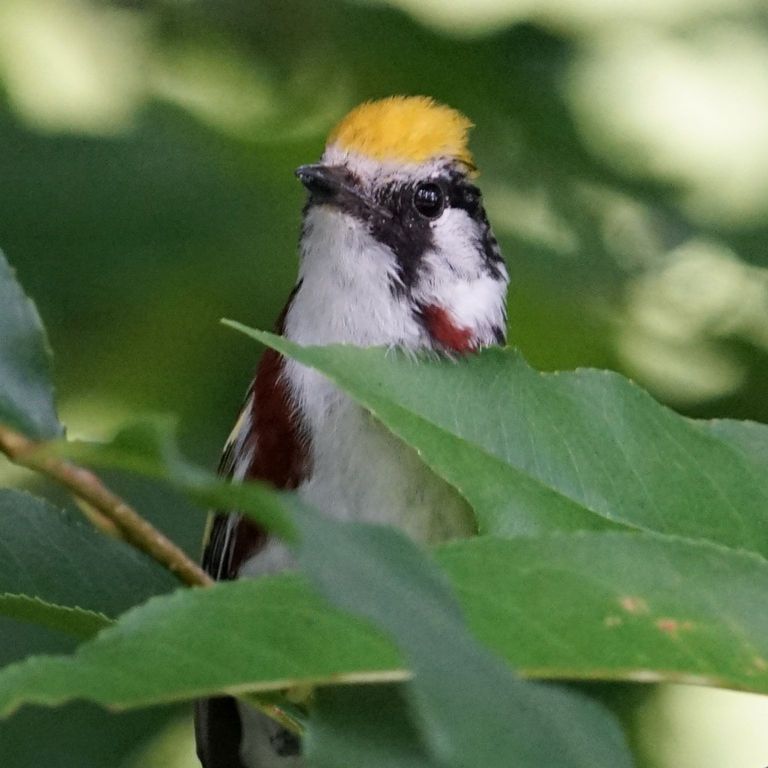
[{"x": 428, "y": 200}]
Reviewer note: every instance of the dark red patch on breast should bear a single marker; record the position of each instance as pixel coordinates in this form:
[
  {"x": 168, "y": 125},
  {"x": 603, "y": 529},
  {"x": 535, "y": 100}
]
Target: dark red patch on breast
[
  {"x": 276, "y": 450},
  {"x": 446, "y": 332},
  {"x": 279, "y": 448}
]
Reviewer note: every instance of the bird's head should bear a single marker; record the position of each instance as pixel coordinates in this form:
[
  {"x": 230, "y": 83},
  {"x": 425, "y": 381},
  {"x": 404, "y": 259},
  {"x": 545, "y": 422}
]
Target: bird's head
[{"x": 393, "y": 202}]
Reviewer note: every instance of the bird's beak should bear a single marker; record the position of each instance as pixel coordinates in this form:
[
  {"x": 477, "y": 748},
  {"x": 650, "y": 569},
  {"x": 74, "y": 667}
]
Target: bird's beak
[
  {"x": 323, "y": 181},
  {"x": 331, "y": 184},
  {"x": 335, "y": 185}
]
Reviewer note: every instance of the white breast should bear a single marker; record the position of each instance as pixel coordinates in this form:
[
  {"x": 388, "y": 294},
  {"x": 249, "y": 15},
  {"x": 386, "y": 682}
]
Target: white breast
[{"x": 359, "y": 470}]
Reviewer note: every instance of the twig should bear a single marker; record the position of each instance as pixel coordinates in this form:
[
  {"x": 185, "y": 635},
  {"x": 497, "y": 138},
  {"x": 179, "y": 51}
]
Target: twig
[
  {"x": 103, "y": 523},
  {"x": 85, "y": 485}
]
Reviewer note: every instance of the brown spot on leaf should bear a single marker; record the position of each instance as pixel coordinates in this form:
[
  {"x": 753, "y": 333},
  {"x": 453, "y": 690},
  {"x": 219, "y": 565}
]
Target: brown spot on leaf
[
  {"x": 634, "y": 605},
  {"x": 672, "y": 627},
  {"x": 612, "y": 621}
]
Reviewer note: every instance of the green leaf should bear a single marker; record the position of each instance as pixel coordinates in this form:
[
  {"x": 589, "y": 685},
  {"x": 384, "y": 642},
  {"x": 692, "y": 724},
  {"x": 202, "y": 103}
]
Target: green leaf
[
  {"x": 747, "y": 437},
  {"x": 617, "y": 606},
  {"x": 364, "y": 725},
  {"x": 590, "y": 606},
  {"x": 590, "y": 437},
  {"x": 184, "y": 645},
  {"x": 148, "y": 447},
  {"x": 250, "y": 635},
  {"x": 523, "y": 597},
  {"x": 46, "y": 555},
  {"x": 81, "y": 736},
  {"x": 170, "y": 649},
  {"x": 26, "y": 389},
  {"x": 72, "y": 621},
  {"x": 469, "y": 707}
]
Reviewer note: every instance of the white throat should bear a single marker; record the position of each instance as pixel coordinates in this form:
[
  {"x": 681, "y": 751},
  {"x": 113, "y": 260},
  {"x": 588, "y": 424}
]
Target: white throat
[{"x": 346, "y": 294}]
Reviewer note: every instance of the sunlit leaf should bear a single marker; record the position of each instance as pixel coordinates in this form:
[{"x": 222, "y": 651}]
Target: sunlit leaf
[{"x": 586, "y": 439}]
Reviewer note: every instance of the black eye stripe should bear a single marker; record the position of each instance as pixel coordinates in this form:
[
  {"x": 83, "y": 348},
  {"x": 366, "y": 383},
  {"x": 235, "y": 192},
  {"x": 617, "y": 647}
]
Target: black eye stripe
[
  {"x": 465, "y": 196},
  {"x": 458, "y": 193},
  {"x": 394, "y": 220}
]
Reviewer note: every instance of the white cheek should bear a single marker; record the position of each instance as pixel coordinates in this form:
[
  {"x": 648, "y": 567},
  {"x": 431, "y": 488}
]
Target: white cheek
[
  {"x": 478, "y": 304},
  {"x": 455, "y": 239},
  {"x": 345, "y": 297},
  {"x": 346, "y": 294},
  {"x": 457, "y": 279}
]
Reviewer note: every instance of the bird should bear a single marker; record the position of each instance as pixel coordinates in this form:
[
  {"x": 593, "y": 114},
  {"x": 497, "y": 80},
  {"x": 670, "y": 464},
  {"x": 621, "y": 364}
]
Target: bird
[{"x": 395, "y": 251}]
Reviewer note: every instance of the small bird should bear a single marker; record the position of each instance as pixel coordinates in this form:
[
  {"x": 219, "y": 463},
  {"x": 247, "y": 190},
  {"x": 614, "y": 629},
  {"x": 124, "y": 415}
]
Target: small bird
[{"x": 395, "y": 251}]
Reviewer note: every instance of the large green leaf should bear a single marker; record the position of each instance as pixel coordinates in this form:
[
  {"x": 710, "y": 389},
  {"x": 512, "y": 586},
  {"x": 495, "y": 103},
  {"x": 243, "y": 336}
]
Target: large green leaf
[
  {"x": 375, "y": 572},
  {"x": 590, "y": 437},
  {"x": 589, "y": 606},
  {"x": 64, "y": 564},
  {"x": 617, "y": 606},
  {"x": 272, "y": 632},
  {"x": 248, "y": 635},
  {"x": 26, "y": 391},
  {"x": 174, "y": 648}
]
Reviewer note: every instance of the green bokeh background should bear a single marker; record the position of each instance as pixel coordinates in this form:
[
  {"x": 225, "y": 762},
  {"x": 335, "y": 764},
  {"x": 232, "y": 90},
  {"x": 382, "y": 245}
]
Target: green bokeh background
[{"x": 146, "y": 190}]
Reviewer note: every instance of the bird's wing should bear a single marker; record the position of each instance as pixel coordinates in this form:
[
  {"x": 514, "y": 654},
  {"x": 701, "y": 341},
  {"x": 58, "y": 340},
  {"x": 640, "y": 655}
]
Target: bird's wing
[{"x": 265, "y": 444}]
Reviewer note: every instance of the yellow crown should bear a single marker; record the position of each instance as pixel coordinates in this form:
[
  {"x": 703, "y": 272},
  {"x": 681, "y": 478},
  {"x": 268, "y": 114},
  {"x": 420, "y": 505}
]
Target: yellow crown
[{"x": 405, "y": 128}]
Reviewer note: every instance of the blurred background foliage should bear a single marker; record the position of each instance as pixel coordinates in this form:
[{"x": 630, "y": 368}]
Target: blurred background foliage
[{"x": 147, "y": 190}]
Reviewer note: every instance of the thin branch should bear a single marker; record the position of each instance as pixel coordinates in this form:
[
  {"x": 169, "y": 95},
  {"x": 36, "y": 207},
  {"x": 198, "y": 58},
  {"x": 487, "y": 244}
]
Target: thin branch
[
  {"x": 85, "y": 485},
  {"x": 103, "y": 523}
]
